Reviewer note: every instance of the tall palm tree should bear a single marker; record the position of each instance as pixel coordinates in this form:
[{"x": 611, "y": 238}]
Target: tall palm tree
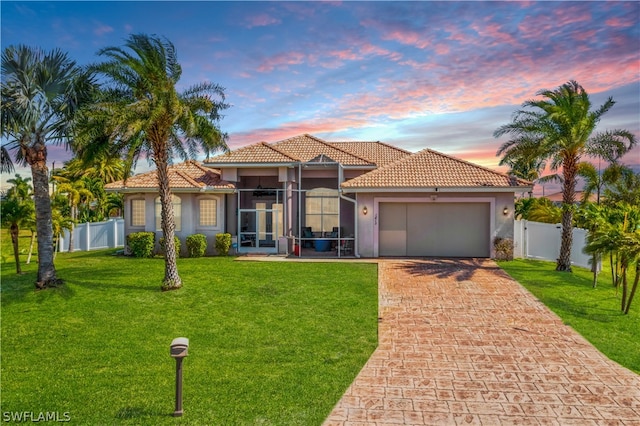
[
  {"x": 559, "y": 127},
  {"x": 41, "y": 92},
  {"x": 145, "y": 114}
]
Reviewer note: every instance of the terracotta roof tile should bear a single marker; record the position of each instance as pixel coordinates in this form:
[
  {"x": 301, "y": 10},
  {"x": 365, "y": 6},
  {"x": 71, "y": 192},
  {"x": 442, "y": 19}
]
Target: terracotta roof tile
[
  {"x": 429, "y": 168},
  {"x": 377, "y": 152},
  {"x": 187, "y": 175},
  {"x": 261, "y": 152},
  {"x": 307, "y": 147}
]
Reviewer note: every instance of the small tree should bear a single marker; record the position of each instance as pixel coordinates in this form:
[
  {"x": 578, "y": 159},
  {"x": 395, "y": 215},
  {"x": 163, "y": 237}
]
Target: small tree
[
  {"x": 15, "y": 213},
  {"x": 621, "y": 237}
]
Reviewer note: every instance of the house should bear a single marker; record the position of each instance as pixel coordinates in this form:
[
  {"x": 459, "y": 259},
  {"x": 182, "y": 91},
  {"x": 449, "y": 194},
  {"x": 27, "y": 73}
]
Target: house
[
  {"x": 308, "y": 196},
  {"x": 198, "y": 201}
]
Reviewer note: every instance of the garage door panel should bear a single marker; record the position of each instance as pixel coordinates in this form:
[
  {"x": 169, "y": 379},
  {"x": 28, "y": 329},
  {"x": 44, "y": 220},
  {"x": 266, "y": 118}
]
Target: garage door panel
[
  {"x": 434, "y": 229},
  {"x": 392, "y": 234}
]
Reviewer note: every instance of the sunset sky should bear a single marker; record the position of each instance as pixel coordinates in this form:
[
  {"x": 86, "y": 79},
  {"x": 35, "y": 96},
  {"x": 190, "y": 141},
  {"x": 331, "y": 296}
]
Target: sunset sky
[{"x": 439, "y": 75}]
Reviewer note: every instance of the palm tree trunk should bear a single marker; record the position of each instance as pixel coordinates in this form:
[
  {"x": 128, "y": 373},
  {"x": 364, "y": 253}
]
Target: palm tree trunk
[
  {"x": 36, "y": 157},
  {"x": 568, "y": 197},
  {"x": 15, "y": 232},
  {"x": 172, "y": 279},
  {"x": 624, "y": 288},
  {"x": 634, "y": 288}
]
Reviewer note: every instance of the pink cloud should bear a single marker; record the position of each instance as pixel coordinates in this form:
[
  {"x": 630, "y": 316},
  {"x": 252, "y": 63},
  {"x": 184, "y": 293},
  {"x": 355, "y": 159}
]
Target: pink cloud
[
  {"x": 102, "y": 29},
  {"x": 618, "y": 22},
  {"x": 261, "y": 20},
  {"x": 281, "y": 61}
]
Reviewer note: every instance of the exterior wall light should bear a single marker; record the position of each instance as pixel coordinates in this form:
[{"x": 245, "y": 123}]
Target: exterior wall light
[
  {"x": 505, "y": 211},
  {"x": 364, "y": 210}
]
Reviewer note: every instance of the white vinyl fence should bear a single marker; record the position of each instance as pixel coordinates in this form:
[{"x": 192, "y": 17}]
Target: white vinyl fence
[
  {"x": 535, "y": 240},
  {"x": 94, "y": 236}
]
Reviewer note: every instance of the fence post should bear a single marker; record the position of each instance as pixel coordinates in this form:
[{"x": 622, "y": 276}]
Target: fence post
[{"x": 88, "y": 237}]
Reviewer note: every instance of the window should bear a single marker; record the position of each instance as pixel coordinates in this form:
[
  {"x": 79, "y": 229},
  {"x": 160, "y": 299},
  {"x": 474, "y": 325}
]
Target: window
[
  {"x": 177, "y": 213},
  {"x": 322, "y": 209},
  {"x": 137, "y": 212},
  {"x": 208, "y": 212}
]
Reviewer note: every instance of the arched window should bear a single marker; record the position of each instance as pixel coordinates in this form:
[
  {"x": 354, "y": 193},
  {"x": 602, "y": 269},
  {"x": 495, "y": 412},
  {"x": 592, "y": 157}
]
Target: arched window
[
  {"x": 322, "y": 209},
  {"x": 177, "y": 212}
]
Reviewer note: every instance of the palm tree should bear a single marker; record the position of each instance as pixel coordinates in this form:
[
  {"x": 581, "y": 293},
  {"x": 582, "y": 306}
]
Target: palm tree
[
  {"x": 41, "y": 92},
  {"x": 560, "y": 128},
  {"x": 14, "y": 213},
  {"x": 622, "y": 239},
  {"x": 21, "y": 188},
  {"x": 145, "y": 114},
  {"x": 76, "y": 193}
]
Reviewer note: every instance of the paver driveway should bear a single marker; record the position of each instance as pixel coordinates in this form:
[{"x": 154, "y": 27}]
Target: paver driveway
[{"x": 460, "y": 342}]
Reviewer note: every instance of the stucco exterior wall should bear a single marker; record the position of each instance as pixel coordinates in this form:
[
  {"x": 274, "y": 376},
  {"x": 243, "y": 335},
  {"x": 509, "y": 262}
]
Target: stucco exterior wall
[
  {"x": 189, "y": 222},
  {"x": 502, "y": 225}
]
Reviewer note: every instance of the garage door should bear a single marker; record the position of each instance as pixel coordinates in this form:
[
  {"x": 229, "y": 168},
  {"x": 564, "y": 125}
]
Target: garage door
[{"x": 434, "y": 229}]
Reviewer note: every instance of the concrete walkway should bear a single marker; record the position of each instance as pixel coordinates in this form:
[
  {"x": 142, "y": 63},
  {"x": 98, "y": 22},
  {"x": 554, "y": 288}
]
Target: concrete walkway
[{"x": 462, "y": 343}]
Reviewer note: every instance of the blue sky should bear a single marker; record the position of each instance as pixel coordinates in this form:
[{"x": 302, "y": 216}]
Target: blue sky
[{"x": 439, "y": 75}]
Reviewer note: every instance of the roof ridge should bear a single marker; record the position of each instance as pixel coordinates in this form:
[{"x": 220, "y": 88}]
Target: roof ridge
[
  {"x": 327, "y": 143},
  {"x": 188, "y": 178},
  {"x": 376, "y": 142},
  {"x": 279, "y": 151},
  {"x": 205, "y": 169}
]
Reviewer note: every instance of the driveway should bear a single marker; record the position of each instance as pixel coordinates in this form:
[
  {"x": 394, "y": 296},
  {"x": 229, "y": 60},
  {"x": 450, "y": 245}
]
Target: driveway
[{"x": 460, "y": 342}]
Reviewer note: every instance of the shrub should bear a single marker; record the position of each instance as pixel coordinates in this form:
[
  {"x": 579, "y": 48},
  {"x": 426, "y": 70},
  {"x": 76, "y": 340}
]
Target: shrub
[
  {"x": 503, "y": 248},
  {"x": 176, "y": 244},
  {"x": 141, "y": 243},
  {"x": 223, "y": 244},
  {"x": 196, "y": 245}
]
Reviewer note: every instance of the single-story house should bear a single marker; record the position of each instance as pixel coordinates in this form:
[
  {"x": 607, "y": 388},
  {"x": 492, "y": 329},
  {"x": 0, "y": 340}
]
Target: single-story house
[{"x": 307, "y": 196}]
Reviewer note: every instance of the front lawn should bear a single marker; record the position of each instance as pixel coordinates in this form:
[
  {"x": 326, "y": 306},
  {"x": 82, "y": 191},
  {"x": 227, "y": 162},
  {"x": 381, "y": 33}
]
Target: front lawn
[
  {"x": 271, "y": 343},
  {"x": 594, "y": 313}
]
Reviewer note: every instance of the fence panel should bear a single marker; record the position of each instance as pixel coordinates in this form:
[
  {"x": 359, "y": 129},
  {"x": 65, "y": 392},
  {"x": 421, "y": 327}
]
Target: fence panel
[
  {"x": 535, "y": 240},
  {"x": 94, "y": 236}
]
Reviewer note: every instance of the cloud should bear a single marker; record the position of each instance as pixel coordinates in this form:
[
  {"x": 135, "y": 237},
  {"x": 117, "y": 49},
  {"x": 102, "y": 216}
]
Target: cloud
[
  {"x": 102, "y": 29},
  {"x": 261, "y": 20}
]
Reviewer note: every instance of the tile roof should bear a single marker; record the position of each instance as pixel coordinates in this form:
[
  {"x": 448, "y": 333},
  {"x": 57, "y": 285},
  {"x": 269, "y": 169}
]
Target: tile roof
[
  {"x": 429, "y": 168},
  {"x": 187, "y": 175},
  {"x": 302, "y": 148},
  {"x": 260, "y": 152},
  {"x": 377, "y": 152},
  {"x": 307, "y": 147}
]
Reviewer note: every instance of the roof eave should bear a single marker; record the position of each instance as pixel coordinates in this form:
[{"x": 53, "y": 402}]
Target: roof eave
[
  {"x": 205, "y": 190},
  {"x": 251, "y": 165},
  {"x": 439, "y": 189}
]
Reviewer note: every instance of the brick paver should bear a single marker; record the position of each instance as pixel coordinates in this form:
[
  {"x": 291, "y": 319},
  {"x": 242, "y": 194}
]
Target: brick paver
[{"x": 460, "y": 342}]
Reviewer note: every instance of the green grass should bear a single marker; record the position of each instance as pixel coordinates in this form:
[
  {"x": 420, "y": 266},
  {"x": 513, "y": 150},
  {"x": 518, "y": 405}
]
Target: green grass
[
  {"x": 271, "y": 343},
  {"x": 594, "y": 313}
]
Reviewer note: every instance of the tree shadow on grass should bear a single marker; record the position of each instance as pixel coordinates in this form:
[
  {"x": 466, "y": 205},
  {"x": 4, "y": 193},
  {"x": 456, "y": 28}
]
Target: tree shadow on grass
[
  {"x": 460, "y": 269},
  {"x": 579, "y": 310}
]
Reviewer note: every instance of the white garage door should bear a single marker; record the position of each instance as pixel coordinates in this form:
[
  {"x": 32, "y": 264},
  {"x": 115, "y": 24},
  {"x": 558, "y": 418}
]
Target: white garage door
[{"x": 434, "y": 229}]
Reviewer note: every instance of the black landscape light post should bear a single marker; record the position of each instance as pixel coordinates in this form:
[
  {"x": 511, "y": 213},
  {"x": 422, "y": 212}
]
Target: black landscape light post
[{"x": 179, "y": 349}]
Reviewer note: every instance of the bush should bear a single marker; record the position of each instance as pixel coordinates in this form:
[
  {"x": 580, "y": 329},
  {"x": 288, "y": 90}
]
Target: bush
[
  {"x": 223, "y": 244},
  {"x": 503, "y": 248},
  {"x": 196, "y": 245},
  {"x": 176, "y": 244},
  {"x": 141, "y": 243}
]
